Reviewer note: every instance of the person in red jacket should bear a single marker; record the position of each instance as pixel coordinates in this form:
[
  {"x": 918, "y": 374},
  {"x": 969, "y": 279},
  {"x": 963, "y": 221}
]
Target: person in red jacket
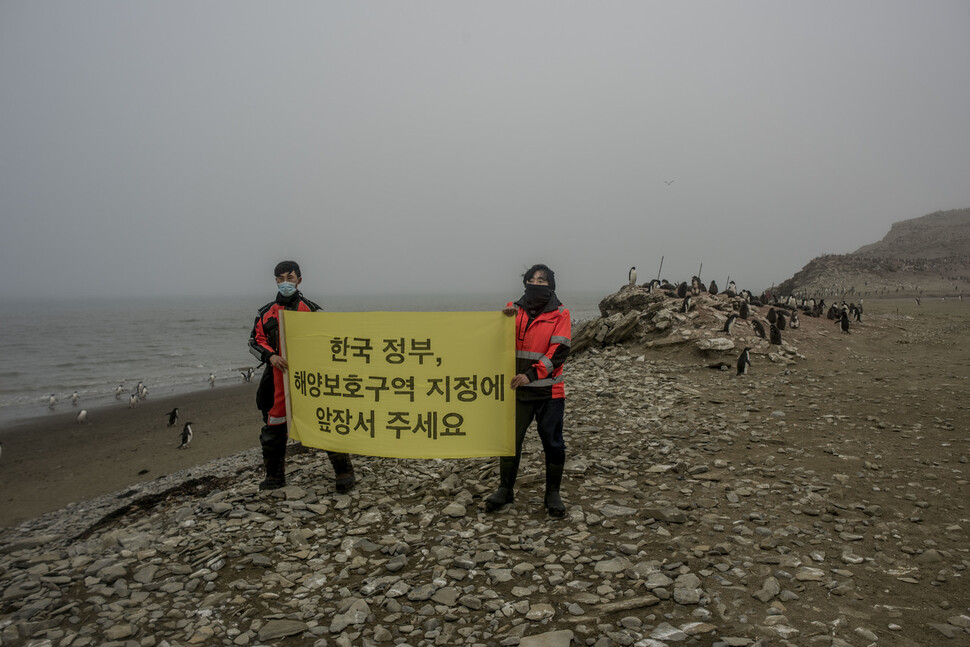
[
  {"x": 542, "y": 339},
  {"x": 264, "y": 344}
]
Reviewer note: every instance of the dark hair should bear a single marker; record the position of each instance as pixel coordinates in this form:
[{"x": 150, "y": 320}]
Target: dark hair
[
  {"x": 287, "y": 266},
  {"x": 539, "y": 267}
]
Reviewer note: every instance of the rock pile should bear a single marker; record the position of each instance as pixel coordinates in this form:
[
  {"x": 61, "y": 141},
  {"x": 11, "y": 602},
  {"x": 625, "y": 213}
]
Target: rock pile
[{"x": 785, "y": 507}]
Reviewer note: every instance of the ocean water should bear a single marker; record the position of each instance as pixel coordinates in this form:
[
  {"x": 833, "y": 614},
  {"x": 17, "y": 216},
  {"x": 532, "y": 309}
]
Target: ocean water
[{"x": 172, "y": 345}]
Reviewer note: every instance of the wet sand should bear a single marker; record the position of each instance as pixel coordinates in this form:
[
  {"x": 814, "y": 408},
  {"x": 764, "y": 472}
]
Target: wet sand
[{"x": 52, "y": 461}]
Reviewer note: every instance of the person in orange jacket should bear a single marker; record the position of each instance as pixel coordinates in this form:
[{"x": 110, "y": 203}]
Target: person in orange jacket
[
  {"x": 542, "y": 340},
  {"x": 264, "y": 344}
]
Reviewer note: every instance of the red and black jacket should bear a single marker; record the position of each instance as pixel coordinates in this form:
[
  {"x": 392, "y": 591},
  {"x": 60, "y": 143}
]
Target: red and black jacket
[
  {"x": 264, "y": 340},
  {"x": 541, "y": 347}
]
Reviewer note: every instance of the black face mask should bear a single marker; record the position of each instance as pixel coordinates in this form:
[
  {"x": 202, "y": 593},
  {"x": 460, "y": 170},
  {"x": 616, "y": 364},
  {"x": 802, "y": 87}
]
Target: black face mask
[{"x": 536, "y": 296}]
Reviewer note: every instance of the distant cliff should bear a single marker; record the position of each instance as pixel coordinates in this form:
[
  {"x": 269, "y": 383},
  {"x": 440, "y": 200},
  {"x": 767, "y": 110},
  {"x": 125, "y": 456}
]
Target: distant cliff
[{"x": 927, "y": 256}]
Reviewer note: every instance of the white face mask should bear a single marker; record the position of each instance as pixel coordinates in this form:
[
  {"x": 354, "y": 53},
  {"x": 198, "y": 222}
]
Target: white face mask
[{"x": 286, "y": 289}]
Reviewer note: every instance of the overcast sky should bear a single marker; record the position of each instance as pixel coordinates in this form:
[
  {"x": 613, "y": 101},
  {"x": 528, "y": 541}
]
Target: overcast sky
[{"x": 182, "y": 148}]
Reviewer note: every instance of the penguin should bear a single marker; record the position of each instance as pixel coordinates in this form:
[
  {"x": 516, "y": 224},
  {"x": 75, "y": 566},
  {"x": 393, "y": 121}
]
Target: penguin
[
  {"x": 139, "y": 387},
  {"x": 772, "y": 315},
  {"x": 744, "y": 361},
  {"x": 729, "y": 323},
  {"x": 250, "y": 374},
  {"x": 682, "y": 290},
  {"x": 132, "y": 401},
  {"x": 82, "y": 416},
  {"x": 186, "y": 436},
  {"x": 685, "y": 306},
  {"x": 917, "y": 300},
  {"x": 142, "y": 391},
  {"x": 212, "y": 379},
  {"x": 844, "y": 323},
  {"x": 780, "y": 322},
  {"x": 712, "y": 288},
  {"x": 74, "y": 399},
  {"x": 52, "y": 402},
  {"x": 744, "y": 310},
  {"x": 119, "y": 391},
  {"x": 759, "y": 330},
  {"x": 732, "y": 287},
  {"x": 633, "y": 276},
  {"x": 793, "y": 321},
  {"x": 173, "y": 417},
  {"x": 774, "y": 335}
]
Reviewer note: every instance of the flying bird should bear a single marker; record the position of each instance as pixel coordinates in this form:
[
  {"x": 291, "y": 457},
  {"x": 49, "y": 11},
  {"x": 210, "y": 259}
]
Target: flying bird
[{"x": 668, "y": 182}]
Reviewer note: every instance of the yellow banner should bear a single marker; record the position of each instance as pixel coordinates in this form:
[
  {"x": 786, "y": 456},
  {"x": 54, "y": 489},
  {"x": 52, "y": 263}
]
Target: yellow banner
[{"x": 401, "y": 384}]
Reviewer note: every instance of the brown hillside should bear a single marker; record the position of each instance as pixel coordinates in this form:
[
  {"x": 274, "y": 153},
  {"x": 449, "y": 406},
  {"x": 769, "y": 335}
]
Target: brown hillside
[{"x": 927, "y": 256}]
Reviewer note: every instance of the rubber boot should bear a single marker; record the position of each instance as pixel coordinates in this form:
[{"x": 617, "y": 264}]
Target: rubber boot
[
  {"x": 508, "y": 469},
  {"x": 554, "y": 504},
  {"x": 343, "y": 468},
  {"x": 274, "y": 459}
]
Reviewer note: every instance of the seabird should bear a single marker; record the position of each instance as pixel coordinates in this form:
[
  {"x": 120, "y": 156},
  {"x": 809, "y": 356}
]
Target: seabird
[
  {"x": 668, "y": 182},
  {"x": 212, "y": 379},
  {"x": 118, "y": 391},
  {"x": 82, "y": 416},
  {"x": 74, "y": 398},
  {"x": 744, "y": 361},
  {"x": 51, "y": 402},
  {"x": 633, "y": 275},
  {"x": 132, "y": 400},
  {"x": 173, "y": 417},
  {"x": 186, "y": 435}
]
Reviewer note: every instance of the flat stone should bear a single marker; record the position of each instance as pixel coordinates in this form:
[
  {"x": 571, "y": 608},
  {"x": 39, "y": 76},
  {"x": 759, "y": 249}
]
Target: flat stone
[{"x": 281, "y": 628}]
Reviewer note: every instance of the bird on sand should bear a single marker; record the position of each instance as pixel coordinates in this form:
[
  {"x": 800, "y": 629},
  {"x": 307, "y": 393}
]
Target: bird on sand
[
  {"x": 82, "y": 415},
  {"x": 51, "y": 402},
  {"x": 186, "y": 435},
  {"x": 173, "y": 417}
]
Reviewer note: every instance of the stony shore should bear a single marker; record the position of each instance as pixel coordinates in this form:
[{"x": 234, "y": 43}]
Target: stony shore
[{"x": 818, "y": 500}]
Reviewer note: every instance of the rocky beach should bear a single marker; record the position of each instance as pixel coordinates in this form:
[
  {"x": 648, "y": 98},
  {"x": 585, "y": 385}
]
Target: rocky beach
[{"x": 819, "y": 499}]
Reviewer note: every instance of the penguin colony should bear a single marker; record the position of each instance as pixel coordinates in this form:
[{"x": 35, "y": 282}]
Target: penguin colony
[{"x": 783, "y": 311}]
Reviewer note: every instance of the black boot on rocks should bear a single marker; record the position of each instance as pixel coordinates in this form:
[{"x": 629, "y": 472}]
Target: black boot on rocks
[
  {"x": 554, "y": 504},
  {"x": 508, "y": 469},
  {"x": 344, "y": 470},
  {"x": 273, "y": 442},
  {"x": 275, "y": 465}
]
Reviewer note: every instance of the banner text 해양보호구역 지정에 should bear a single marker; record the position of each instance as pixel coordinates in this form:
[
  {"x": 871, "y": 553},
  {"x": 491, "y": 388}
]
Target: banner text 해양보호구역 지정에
[{"x": 401, "y": 384}]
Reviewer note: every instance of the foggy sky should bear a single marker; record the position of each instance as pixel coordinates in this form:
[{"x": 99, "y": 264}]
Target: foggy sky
[{"x": 182, "y": 148}]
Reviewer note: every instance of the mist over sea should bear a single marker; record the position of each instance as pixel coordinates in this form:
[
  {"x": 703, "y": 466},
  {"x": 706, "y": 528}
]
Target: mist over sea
[{"x": 170, "y": 344}]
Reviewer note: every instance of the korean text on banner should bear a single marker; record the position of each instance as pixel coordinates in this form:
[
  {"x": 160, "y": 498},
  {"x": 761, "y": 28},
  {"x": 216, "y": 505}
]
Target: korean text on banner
[{"x": 401, "y": 384}]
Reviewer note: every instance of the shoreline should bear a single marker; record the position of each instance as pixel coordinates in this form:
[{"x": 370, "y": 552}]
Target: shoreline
[{"x": 52, "y": 461}]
